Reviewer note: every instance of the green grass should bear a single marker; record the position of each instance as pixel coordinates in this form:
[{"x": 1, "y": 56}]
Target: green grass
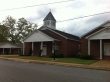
[
  {"x": 76, "y": 60},
  {"x": 64, "y": 60}
]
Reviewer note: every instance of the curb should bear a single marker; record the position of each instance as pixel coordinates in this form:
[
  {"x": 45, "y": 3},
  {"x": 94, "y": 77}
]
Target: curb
[{"x": 57, "y": 63}]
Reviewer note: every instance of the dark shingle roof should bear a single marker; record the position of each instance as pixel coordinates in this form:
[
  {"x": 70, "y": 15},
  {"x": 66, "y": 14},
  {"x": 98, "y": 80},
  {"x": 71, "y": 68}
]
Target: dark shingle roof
[
  {"x": 2, "y": 45},
  {"x": 70, "y": 36},
  {"x": 96, "y": 29},
  {"x": 66, "y": 35},
  {"x": 49, "y": 17}
]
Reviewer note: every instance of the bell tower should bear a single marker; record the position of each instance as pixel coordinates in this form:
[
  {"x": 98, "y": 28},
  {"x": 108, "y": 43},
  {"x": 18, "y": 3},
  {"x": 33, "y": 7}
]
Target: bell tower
[{"x": 50, "y": 21}]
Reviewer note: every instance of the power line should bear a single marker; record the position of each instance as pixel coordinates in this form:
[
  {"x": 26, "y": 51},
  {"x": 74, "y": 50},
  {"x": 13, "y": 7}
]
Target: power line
[
  {"x": 84, "y": 16},
  {"x": 81, "y": 17},
  {"x": 56, "y": 3},
  {"x": 36, "y": 5}
]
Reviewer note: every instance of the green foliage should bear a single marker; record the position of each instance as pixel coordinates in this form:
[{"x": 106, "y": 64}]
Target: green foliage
[
  {"x": 57, "y": 55},
  {"x": 86, "y": 56},
  {"x": 3, "y": 33},
  {"x": 18, "y": 30}
]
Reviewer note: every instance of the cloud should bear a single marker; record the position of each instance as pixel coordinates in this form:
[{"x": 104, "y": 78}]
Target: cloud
[
  {"x": 82, "y": 26},
  {"x": 78, "y": 4},
  {"x": 61, "y": 11}
]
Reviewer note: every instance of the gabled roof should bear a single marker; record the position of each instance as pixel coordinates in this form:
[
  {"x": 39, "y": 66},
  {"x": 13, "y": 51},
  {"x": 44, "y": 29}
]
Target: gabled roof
[
  {"x": 61, "y": 33},
  {"x": 8, "y": 45},
  {"x": 38, "y": 36},
  {"x": 49, "y": 17},
  {"x": 96, "y": 29}
]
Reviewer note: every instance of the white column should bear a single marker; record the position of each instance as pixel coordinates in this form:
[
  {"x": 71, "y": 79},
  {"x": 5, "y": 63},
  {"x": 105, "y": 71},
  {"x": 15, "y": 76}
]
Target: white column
[
  {"x": 100, "y": 49},
  {"x": 23, "y": 48},
  {"x": 41, "y": 46},
  {"x": 89, "y": 47},
  {"x": 32, "y": 48}
]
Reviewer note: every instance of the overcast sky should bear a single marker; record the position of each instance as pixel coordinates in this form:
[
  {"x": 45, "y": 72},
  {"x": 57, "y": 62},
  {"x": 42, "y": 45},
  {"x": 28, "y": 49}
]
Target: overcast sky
[{"x": 61, "y": 11}]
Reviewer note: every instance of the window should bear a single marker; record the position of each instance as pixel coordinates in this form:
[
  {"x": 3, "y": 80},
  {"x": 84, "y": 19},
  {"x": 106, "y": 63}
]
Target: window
[{"x": 53, "y": 23}]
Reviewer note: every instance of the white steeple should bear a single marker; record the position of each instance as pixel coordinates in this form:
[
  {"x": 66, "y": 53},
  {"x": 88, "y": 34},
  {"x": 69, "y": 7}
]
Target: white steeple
[{"x": 50, "y": 21}]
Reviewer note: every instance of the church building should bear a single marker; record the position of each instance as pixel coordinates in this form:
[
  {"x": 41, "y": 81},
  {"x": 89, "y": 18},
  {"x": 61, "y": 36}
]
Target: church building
[
  {"x": 48, "y": 40},
  {"x": 96, "y": 43}
]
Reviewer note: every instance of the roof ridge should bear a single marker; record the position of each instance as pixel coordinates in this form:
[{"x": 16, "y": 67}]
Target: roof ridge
[
  {"x": 66, "y": 35},
  {"x": 64, "y": 32},
  {"x": 97, "y": 27}
]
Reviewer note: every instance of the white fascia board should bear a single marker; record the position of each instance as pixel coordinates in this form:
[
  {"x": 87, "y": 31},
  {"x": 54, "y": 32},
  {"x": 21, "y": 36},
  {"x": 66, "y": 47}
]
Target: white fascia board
[
  {"x": 95, "y": 33},
  {"x": 38, "y": 37},
  {"x": 95, "y": 28}
]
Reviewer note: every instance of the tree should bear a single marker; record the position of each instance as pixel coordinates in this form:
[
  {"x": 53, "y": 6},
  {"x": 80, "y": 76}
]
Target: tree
[
  {"x": 24, "y": 28},
  {"x": 18, "y": 30},
  {"x": 10, "y": 22},
  {"x": 3, "y": 33}
]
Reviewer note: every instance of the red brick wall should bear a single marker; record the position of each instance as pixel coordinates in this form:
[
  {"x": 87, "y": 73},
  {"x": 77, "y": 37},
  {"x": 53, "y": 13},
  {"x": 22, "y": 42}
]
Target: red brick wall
[
  {"x": 36, "y": 50},
  {"x": 49, "y": 48},
  {"x": 72, "y": 47},
  {"x": 84, "y": 46},
  {"x": 27, "y": 48},
  {"x": 95, "y": 49},
  {"x": 66, "y": 46}
]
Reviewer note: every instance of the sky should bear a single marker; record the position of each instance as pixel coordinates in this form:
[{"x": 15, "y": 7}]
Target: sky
[{"x": 67, "y": 9}]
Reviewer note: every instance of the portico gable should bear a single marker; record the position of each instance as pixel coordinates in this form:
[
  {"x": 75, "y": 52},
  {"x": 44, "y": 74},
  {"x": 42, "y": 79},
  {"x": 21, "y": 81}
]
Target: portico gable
[
  {"x": 38, "y": 36},
  {"x": 98, "y": 40}
]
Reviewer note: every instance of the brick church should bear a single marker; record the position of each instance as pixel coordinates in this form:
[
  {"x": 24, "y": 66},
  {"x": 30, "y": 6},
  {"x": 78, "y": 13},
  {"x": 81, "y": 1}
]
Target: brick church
[
  {"x": 96, "y": 43},
  {"x": 48, "y": 40}
]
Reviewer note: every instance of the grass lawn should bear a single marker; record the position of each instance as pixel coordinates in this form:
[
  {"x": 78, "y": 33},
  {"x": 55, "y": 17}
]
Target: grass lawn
[{"x": 64, "y": 60}]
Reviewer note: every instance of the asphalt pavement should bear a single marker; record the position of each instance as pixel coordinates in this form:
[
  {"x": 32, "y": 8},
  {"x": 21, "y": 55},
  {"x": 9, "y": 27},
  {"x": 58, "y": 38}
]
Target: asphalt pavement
[{"x": 13, "y": 71}]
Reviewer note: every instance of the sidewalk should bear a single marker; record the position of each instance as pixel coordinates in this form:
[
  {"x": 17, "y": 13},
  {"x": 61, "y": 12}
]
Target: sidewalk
[{"x": 100, "y": 65}]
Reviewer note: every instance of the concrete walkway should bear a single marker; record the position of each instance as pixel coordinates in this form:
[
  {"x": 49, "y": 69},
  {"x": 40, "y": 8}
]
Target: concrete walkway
[{"x": 100, "y": 65}]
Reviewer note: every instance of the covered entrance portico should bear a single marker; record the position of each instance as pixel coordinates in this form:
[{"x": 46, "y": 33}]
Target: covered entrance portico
[
  {"x": 97, "y": 42},
  {"x": 9, "y": 48},
  {"x": 38, "y": 48},
  {"x": 99, "y": 48},
  {"x": 38, "y": 44}
]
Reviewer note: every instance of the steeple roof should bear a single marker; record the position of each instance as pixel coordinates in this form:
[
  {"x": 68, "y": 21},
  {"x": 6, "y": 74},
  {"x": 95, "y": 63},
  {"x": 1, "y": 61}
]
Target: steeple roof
[{"x": 49, "y": 17}]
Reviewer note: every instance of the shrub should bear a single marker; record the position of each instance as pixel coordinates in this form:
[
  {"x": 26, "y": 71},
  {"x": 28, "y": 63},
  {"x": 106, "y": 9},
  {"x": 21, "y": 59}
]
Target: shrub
[
  {"x": 56, "y": 56},
  {"x": 86, "y": 56},
  {"x": 59, "y": 55}
]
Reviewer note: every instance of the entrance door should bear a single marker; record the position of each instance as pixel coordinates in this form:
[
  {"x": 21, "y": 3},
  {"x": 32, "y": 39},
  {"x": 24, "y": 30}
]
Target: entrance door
[
  {"x": 44, "y": 51},
  {"x": 107, "y": 49}
]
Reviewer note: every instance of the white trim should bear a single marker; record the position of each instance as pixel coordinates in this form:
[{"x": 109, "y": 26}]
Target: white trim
[
  {"x": 95, "y": 32},
  {"x": 40, "y": 33},
  {"x": 41, "y": 45},
  {"x": 88, "y": 47},
  {"x": 96, "y": 28},
  {"x": 47, "y": 35},
  {"x": 100, "y": 49}
]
